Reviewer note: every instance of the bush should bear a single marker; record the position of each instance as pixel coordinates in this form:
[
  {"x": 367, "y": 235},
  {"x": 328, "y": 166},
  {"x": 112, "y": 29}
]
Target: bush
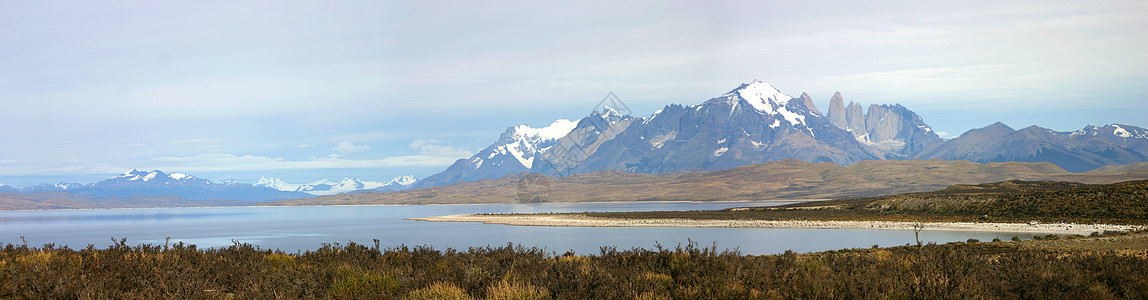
[
  {"x": 505, "y": 290},
  {"x": 361, "y": 285},
  {"x": 959, "y": 270},
  {"x": 439, "y": 291}
]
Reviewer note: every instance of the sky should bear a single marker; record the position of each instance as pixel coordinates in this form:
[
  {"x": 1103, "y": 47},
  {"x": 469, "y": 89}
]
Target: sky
[{"x": 306, "y": 90}]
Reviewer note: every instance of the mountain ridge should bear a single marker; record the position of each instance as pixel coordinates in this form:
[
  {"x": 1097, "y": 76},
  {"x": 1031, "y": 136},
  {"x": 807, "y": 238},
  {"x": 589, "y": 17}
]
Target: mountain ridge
[
  {"x": 755, "y": 123},
  {"x": 159, "y": 183},
  {"x": 347, "y": 185}
]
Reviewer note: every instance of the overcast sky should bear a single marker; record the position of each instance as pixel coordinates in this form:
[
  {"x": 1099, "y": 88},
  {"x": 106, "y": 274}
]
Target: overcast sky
[{"x": 329, "y": 89}]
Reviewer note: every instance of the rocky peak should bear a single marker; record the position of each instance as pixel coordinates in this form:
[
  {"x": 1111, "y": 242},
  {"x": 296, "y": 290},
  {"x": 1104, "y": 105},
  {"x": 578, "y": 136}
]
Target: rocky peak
[
  {"x": 854, "y": 119},
  {"x": 760, "y": 95},
  {"x": 837, "y": 111},
  {"x": 890, "y": 128},
  {"x": 808, "y": 102},
  {"x": 997, "y": 127}
]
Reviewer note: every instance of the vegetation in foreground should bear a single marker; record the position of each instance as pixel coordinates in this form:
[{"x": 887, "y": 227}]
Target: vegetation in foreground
[
  {"x": 1008, "y": 201},
  {"x": 1059, "y": 268}
]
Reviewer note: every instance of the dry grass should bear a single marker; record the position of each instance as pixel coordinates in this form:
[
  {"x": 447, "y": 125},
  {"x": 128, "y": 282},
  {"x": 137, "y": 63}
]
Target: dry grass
[{"x": 1003, "y": 202}]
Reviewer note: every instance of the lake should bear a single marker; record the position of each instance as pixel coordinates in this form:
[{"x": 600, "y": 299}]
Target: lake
[{"x": 303, "y": 228}]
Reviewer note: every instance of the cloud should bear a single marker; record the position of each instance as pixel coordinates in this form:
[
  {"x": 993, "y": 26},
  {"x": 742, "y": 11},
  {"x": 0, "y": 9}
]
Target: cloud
[
  {"x": 345, "y": 148},
  {"x": 431, "y": 154},
  {"x": 194, "y": 141},
  {"x": 431, "y": 148}
]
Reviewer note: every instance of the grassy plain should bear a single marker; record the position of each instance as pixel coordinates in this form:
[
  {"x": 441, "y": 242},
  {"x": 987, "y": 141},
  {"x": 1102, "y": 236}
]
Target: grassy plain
[{"x": 1002, "y": 202}]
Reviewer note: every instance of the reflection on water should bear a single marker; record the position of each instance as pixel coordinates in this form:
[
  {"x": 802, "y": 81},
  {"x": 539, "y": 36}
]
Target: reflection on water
[{"x": 306, "y": 228}]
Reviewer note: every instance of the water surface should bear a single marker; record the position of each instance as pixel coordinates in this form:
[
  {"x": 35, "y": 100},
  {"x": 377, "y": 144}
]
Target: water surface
[{"x": 306, "y": 228}]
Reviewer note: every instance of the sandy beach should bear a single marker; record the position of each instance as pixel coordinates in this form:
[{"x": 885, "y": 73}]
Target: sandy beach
[{"x": 568, "y": 220}]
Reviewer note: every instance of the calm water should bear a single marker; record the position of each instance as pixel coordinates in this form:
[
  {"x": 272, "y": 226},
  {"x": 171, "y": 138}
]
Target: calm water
[{"x": 303, "y": 228}]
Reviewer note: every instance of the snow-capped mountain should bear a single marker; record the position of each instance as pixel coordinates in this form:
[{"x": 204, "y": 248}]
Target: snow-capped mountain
[
  {"x": 155, "y": 183},
  {"x": 1127, "y": 136},
  {"x": 752, "y": 123},
  {"x": 7, "y": 188},
  {"x": 756, "y": 123},
  {"x": 572, "y": 150},
  {"x": 59, "y": 187},
  {"x": 516, "y": 151},
  {"x": 156, "y": 177},
  {"x": 330, "y": 187}
]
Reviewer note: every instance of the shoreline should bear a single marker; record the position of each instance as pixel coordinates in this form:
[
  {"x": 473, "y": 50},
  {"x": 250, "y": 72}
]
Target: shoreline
[
  {"x": 428, "y": 204},
  {"x": 568, "y": 220}
]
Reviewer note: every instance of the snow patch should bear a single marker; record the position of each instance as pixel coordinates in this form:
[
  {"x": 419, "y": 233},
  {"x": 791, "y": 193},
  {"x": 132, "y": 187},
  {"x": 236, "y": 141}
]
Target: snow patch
[
  {"x": 659, "y": 140},
  {"x": 520, "y": 156},
  {"x": 1121, "y": 132},
  {"x": 767, "y": 99},
  {"x": 720, "y": 151},
  {"x": 524, "y": 141},
  {"x": 762, "y": 96},
  {"x": 555, "y": 130}
]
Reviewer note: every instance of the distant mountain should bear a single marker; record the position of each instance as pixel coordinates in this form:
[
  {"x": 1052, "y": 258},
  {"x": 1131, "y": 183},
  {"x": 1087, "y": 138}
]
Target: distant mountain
[
  {"x": 6, "y": 188},
  {"x": 756, "y": 123},
  {"x": 330, "y": 187},
  {"x": 1083, "y": 150},
  {"x": 157, "y": 183},
  {"x": 570, "y": 153},
  {"x": 59, "y": 187},
  {"x": 890, "y": 128},
  {"x": 750, "y": 124},
  {"x": 1126, "y": 136},
  {"x": 514, "y": 152}
]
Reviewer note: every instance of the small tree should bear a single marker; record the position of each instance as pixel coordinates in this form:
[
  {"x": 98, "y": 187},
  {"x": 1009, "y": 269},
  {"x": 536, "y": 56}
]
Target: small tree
[{"x": 917, "y": 227}]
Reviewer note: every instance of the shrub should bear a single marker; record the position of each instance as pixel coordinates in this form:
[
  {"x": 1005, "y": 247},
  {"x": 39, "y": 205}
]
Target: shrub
[
  {"x": 360, "y": 285},
  {"x": 505, "y": 290},
  {"x": 439, "y": 291}
]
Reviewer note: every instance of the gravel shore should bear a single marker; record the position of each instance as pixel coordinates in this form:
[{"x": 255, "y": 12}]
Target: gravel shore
[{"x": 567, "y": 220}]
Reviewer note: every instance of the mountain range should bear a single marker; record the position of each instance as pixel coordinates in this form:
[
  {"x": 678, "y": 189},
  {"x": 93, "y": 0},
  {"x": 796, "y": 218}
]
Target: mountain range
[
  {"x": 756, "y": 123},
  {"x": 155, "y": 183},
  {"x": 1077, "y": 151},
  {"x": 347, "y": 185},
  {"x": 747, "y": 128}
]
